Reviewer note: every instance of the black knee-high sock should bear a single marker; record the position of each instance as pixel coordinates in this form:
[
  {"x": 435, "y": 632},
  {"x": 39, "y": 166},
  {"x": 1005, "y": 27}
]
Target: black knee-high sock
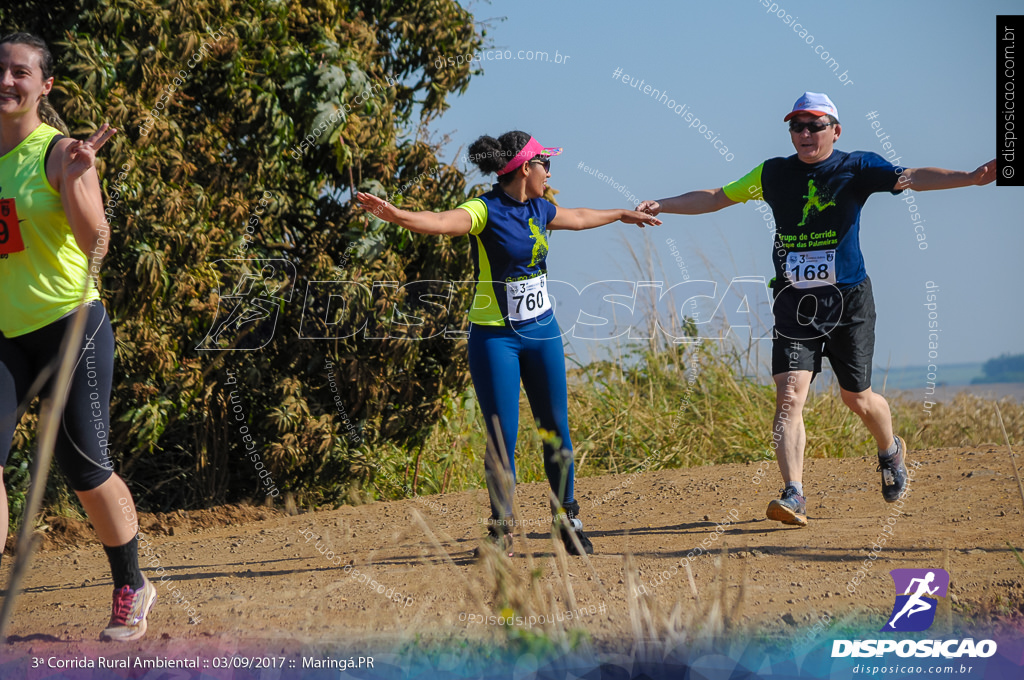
[{"x": 124, "y": 564}]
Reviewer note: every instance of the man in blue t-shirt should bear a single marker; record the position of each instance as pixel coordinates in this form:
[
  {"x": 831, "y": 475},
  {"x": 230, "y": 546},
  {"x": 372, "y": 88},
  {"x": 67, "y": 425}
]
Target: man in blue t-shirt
[{"x": 823, "y": 302}]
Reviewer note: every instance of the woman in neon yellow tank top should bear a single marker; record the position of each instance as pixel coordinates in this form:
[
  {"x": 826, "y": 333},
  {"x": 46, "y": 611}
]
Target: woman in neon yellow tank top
[{"x": 53, "y": 236}]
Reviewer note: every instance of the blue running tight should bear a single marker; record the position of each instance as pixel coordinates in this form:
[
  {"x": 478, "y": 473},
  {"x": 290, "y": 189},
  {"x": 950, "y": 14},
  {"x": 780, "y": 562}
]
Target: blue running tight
[{"x": 498, "y": 359}]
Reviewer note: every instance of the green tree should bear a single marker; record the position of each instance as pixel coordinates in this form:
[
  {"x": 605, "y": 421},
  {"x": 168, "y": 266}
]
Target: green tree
[
  {"x": 1005, "y": 368},
  {"x": 211, "y": 100}
]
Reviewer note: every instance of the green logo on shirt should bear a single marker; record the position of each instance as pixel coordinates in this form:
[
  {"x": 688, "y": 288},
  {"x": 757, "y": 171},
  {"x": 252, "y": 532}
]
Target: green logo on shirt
[
  {"x": 540, "y": 247},
  {"x": 813, "y": 202}
]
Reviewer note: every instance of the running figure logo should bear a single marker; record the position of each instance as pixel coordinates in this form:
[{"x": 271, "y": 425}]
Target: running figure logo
[
  {"x": 914, "y": 610},
  {"x": 247, "y": 317},
  {"x": 540, "y": 246},
  {"x": 813, "y": 202}
]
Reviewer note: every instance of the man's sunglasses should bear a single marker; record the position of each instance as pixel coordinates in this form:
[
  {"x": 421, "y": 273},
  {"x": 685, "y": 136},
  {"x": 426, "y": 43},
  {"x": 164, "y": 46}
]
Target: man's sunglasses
[{"x": 813, "y": 126}]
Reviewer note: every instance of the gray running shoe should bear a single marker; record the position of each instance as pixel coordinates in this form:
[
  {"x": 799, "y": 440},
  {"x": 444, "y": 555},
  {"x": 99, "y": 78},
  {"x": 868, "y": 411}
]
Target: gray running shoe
[
  {"x": 894, "y": 473},
  {"x": 790, "y": 509}
]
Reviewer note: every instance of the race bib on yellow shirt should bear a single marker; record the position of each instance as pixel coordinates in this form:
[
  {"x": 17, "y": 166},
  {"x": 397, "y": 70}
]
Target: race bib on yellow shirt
[{"x": 10, "y": 230}]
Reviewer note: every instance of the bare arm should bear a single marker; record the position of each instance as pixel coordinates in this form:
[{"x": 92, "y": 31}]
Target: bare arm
[
  {"x": 691, "y": 203},
  {"x": 448, "y": 223},
  {"x": 72, "y": 172},
  {"x": 933, "y": 179},
  {"x": 578, "y": 219}
]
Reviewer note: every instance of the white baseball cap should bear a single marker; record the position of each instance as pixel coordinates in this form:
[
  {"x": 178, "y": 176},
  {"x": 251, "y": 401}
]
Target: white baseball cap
[{"x": 816, "y": 103}]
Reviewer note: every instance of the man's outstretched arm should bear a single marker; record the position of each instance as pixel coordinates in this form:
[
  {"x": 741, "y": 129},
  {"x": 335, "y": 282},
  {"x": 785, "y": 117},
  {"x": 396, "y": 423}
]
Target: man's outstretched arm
[
  {"x": 933, "y": 179},
  {"x": 692, "y": 203}
]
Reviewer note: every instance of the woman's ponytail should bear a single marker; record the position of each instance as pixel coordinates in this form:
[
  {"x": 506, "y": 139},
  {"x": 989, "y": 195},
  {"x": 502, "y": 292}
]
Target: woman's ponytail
[{"x": 49, "y": 115}]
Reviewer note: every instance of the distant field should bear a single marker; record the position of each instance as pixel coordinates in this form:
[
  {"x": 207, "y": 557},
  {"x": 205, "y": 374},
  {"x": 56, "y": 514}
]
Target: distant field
[
  {"x": 914, "y": 377},
  {"x": 947, "y": 392}
]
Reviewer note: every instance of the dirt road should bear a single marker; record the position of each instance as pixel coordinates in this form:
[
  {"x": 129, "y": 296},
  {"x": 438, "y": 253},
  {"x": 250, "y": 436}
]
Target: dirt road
[{"x": 265, "y": 581}]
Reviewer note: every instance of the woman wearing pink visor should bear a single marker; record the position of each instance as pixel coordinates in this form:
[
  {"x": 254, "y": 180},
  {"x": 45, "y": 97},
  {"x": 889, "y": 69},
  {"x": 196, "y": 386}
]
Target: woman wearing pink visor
[{"x": 513, "y": 333}]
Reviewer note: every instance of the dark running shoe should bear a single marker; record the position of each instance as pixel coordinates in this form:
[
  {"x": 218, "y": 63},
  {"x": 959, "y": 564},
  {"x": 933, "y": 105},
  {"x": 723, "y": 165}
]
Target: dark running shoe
[
  {"x": 497, "y": 536},
  {"x": 575, "y": 530},
  {"x": 790, "y": 509},
  {"x": 570, "y": 527},
  {"x": 894, "y": 473}
]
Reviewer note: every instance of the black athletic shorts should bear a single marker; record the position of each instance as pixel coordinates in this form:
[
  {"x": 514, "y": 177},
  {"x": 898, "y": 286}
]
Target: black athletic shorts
[
  {"x": 82, "y": 448},
  {"x": 816, "y": 322}
]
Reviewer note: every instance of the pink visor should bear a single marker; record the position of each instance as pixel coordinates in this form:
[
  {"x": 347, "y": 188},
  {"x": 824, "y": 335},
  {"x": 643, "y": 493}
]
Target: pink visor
[{"x": 532, "y": 148}]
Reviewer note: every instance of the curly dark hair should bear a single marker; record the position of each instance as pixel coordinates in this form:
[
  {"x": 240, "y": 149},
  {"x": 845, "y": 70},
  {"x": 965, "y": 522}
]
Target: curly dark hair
[{"x": 491, "y": 155}]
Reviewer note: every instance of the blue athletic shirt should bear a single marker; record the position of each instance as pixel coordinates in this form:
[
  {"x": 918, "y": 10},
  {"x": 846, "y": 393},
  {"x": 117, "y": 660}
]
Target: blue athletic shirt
[
  {"x": 508, "y": 242},
  {"x": 817, "y": 208}
]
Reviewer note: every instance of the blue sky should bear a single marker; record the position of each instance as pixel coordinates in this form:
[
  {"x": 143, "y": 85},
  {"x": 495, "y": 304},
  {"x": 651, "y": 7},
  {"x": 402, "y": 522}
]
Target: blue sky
[{"x": 926, "y": 69}]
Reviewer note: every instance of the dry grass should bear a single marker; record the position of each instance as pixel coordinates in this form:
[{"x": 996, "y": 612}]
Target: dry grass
[{"x": 644, "y": 413}]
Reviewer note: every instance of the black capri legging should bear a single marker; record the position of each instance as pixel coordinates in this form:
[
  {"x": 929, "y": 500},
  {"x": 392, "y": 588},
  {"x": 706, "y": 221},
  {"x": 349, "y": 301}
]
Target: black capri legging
[{"x": 82, "y": 448}]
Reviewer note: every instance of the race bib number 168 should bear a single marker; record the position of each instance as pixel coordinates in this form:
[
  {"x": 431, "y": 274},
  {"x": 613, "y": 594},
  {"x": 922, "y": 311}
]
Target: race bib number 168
[{"x": 811, "y": 268}]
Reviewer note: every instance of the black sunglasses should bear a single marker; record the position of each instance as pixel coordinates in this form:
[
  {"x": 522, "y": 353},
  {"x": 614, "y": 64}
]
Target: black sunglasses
[
  {"x": 813, "y": 126},
  {"x": 545, "y": 162}
]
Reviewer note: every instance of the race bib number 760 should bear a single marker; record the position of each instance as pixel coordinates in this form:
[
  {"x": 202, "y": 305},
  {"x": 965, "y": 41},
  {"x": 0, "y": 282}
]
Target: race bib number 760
[{"x": 527, "y": 299}]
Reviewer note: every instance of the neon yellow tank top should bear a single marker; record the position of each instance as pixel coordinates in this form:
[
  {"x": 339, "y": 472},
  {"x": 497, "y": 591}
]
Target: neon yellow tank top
[{"x": 42, "y": 269}]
